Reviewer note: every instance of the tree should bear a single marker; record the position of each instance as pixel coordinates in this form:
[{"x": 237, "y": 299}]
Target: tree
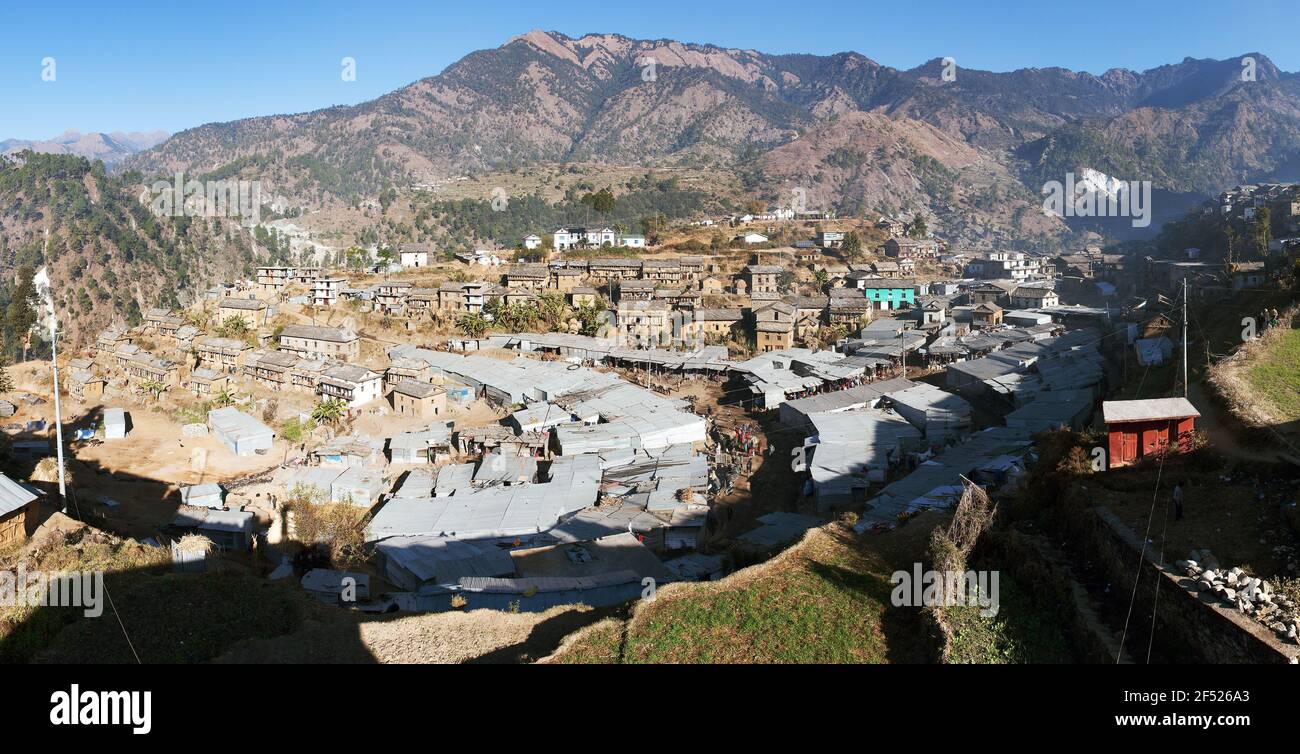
[
  {"x": 472, "y": 324},
  {"x": 786, "y": 280},
  {"x": 519, "y": 316},
  {"x": 822, "y": 279},
  {"x": 589, "y": 318},
  {"x": 551, "y": 306},
  {"x": 330, "y": 411},
  {"x": 386, "y": 199},
  {"x": 6, "y": 382},
  {"x": 20, "y": 316},
  {"x": 154, "y": 387},
  {"x": 602, "y": 201},
  {"x": 224, "y": 398},
  {"x": 334, "y": 527},
  {"x": 1261, "y": 231},
  {"x": 233, "y": 326},
  {"x": 294, "y": 430},
  {"x": 919, "y": 228},
  {"x": 653, "y": 226},
  {"x": 852, "y": 244}
]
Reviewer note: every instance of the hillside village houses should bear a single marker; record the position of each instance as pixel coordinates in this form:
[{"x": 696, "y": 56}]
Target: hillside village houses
[
  {"x": 252, "y": 311},
  {"x": 582, "y": 453},
  {"x": 273, "y": 279},
  {"x": 418, "y": 399},
  {"x": 317, "y": 342},
  {"x": 912, "y": 248},
  {"x": 1005, "y": 265},
  {"x": 225, "y": 355},
  {"x": 325, "y": 291},
  {"x": 354, "y": 385}
]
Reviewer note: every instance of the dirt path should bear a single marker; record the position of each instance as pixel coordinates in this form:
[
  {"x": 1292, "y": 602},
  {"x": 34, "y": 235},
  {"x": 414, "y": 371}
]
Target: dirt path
[{"x": 1222, "y": 436}]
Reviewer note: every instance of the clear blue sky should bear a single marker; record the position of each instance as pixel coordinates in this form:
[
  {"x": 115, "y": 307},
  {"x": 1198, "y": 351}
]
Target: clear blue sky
[{"x": 139, "y": 66}]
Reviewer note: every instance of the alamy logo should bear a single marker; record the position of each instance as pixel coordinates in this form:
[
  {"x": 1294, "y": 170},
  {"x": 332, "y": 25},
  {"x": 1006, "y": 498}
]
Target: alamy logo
[
  {"x": 77, "y": 707},
  {"x": 1096, "y": 194},
  {"x": 24, "y": 588},
  {"x": 946, "y": 589},
  {"x": 182, "y": 198}
]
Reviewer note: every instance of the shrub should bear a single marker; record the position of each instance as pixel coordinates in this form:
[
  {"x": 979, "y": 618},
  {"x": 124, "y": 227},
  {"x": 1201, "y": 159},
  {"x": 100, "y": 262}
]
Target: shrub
[{"x": 335, "y": 526}]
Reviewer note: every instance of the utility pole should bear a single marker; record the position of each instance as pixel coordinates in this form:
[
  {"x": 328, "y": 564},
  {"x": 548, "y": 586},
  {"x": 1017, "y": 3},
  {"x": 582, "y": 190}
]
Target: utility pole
[
  {"x": 1186, "y": 382},
  {"x": 58, "y": 414},
  {"x": 42, "y": 282},
  {"x": 902, "y": 353}
]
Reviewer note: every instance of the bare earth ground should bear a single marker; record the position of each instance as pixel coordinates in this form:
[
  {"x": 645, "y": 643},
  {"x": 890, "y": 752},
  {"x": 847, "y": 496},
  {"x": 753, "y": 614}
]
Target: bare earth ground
[
  {"x": 1235, "y": 511},
  {"x": 483, "y": 636},
  {"x": 142, "y": 471}
]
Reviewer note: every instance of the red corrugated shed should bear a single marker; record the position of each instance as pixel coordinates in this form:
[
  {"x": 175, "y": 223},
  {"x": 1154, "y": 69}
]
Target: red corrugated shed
[{"x": 1140, "y": 428}]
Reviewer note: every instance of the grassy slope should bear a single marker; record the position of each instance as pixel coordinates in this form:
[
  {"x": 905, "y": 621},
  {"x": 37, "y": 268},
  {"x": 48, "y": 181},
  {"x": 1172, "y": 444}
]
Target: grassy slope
[
  {"x": 1276, "y": 376},
  {"x": 1021, "y": 632},
  {"x": 823, "y": 600}
]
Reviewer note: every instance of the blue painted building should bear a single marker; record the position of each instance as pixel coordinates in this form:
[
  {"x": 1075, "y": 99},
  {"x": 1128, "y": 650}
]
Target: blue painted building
[{"x": 888, "y": 293}]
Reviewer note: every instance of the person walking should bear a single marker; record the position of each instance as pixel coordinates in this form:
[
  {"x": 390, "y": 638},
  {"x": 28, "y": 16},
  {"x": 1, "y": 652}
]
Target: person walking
[{"x": 1178, "y": 501}]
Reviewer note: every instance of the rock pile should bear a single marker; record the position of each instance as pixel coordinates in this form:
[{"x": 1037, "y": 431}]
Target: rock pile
[{"x": 1252, "y": 596}]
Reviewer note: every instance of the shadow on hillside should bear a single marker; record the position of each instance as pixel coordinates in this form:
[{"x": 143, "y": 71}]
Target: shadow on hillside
[
  {"x": 546, "y": 636},
  {"x": 906, "y": 634},
  {"x": 166, "y": 616}
]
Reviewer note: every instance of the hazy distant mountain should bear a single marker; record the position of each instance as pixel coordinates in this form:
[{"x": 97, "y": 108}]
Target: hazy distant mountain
[
  {"x": 110, "y": 148},
  {"x": 545, "y": 97}
]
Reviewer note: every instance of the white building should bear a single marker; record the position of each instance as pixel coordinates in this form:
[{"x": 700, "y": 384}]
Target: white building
[
  {"x": 601, "y": 237},
  {"x": 414, "y": 255},
  {"x": 568, "y": 238},
  {"x": 325, "y": 290},
  {"x": 1005, "y": 265},
  {"x": 631, "y": 242},
  {"x": 354, "y": 385},
  {"x": 532, "y": 242}
]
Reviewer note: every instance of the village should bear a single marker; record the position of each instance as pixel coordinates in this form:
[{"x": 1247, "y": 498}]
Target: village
[{"x": 519, "y": 435}]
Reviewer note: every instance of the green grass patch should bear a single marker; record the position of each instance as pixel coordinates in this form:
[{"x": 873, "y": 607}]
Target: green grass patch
[
  {"x": 1276, "y": 376},
  {"x": 826, "y": 600},
  {"x": 1021, "y": 632}
]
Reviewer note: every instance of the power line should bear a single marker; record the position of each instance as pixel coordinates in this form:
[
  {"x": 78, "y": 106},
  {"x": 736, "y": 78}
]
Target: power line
[
  {"x": 1155, "y": 600},
  {"x": 1142, "y": 555}
]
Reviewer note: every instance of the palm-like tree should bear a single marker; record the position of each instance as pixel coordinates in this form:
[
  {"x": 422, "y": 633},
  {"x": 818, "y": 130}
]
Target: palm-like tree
[
  {"x": 473, "y": 324},
  {"x": 552, "y": 309},
  {"x": 329, "y": 411},
  {"x": 153, "y": 387},
  {"x": 224, "y": 398}
]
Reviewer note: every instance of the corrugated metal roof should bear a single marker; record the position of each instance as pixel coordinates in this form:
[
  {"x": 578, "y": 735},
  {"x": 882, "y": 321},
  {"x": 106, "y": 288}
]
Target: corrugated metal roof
[
  {"x": 446, "y": 561},
  {"x": 13, "y": 495},
  {"x": 1150, "y": 409}
]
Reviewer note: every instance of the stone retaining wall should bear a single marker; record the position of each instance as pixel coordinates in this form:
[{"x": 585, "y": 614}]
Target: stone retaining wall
[{"x": 1191, "y": 625}]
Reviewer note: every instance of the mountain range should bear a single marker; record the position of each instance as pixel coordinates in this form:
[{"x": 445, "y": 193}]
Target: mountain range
[
  {"x": 970, "y": 147},
  {"x": 110, "y": 148}
]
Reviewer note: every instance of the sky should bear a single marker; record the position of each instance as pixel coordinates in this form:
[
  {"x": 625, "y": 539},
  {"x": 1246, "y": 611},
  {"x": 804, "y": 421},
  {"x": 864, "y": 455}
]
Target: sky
[{"x": 145, "y": 66}]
